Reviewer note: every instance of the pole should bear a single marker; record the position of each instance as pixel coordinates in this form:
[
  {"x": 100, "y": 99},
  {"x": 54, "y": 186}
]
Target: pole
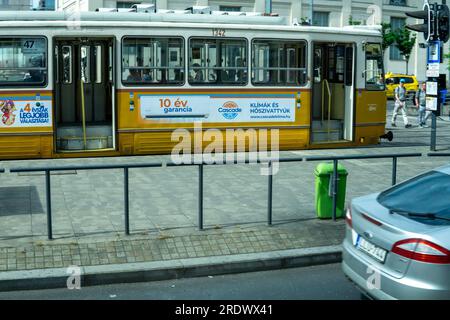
[
  {"x": 200, "y": 197},
  {"x": 311, "y": 11},
  {"x": 83, "y": 114},
  {"x": 335, "y": 187},
  {"x": 433, "y": 132},
  {"x": 269, "y": 196},
  {"x": 126, "y": 201},
  {"x": 49, "y": 205},
  {"x": 394, "y": 171}
]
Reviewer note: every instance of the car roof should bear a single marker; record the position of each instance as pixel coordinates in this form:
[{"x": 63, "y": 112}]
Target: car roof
[
  {"x": 444, "y": 169},
  {"x": 400, "y": 75}
]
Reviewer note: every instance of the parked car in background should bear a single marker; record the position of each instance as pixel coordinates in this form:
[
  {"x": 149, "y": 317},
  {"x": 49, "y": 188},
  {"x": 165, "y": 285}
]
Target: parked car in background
[
  {"x": 397, "y": 243},
  {"x": 393, "y": 80}
]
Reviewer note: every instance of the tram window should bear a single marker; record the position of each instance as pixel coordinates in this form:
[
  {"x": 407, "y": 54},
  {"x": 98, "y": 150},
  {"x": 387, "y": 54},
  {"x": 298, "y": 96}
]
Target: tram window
[
  {"x": 110, "y": 67},
  {"x": 153, "y": 61},
  {"x": 85, "y": 62},
  {"x": 67, "y": 64},
  {"x": 23, "y": 61},
  {"x": 218, "y": 62},
  {"x": 374, "y": 67},
  {"x": 98, "y": 64},
  {"x": 278, "y": 63},
  {"x": 56, "y": 53}
]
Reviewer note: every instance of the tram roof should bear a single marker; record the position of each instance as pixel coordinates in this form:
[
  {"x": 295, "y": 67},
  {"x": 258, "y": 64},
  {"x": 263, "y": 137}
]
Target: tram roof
[{"x": 136, "y": 19}]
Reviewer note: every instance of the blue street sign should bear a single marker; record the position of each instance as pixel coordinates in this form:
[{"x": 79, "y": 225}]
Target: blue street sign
[{"x": 434, "y": 52}]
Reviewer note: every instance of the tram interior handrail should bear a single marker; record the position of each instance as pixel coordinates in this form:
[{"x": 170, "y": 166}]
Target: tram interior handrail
[{"x": 329, "y": 108}]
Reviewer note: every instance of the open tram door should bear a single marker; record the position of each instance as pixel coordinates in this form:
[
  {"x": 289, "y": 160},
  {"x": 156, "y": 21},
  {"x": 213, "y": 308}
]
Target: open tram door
[
  {"x": 84, "y": 94},
  {"x": 332, "y": 93}
]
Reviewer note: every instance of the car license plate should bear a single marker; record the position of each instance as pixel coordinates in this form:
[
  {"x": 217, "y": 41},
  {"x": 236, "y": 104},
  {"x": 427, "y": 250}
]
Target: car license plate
[{"x": 370, "y": 249}]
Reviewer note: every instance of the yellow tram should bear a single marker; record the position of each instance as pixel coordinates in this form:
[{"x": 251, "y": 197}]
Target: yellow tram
[{"x": 114, "y": 83}]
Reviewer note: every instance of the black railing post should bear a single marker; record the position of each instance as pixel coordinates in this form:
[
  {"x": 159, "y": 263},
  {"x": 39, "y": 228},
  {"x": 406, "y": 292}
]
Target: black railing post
[
  {"x": 200, "y": 196},
  {"x": 269, "y": 196},
  {"x": 49, "y": 204},
  {"x": 335, "y": 187},
  {"x": 126, "y": 196},
  {"x": 433, "y": 132},
  {"x": 394, "y": 170}
]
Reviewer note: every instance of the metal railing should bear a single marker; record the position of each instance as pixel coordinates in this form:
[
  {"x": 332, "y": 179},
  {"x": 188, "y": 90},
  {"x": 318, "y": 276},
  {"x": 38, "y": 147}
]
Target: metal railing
[
  {"x": 438, "y": 154},
  {"x": 269, "y": 162}
]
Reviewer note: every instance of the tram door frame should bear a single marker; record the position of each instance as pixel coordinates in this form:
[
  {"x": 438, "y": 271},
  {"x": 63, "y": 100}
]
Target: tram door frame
[
  {"x": 321, "y": 73},
  {"x": 80, "y": 88}
]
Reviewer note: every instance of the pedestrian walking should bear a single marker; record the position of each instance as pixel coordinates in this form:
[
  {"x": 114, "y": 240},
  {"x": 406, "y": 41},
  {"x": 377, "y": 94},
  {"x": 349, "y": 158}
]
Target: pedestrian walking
[
  {"x": 400, "y": 104},
  {"x": 420, "y": 99}
]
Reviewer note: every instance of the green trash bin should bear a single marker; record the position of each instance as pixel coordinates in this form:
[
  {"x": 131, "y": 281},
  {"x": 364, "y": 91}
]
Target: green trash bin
[{"x": 324, "y": 192}]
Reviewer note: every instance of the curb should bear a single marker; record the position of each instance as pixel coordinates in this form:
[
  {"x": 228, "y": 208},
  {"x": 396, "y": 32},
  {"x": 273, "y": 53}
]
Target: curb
[{"x": 171, "y": 269}]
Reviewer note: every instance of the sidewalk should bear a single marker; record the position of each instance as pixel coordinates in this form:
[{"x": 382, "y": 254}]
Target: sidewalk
[
  {"x": 163, "y": 256},
  {"x": 165, "y": 240}
]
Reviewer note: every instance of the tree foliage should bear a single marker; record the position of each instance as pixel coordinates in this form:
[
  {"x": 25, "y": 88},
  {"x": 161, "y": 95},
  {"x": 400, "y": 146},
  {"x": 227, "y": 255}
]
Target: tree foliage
[
  {"x": 447, "y": 56},
  {"x": 388, "y": 36},
  {"x": 404, "y": 41},
  {"x": 353, "y": 22}
]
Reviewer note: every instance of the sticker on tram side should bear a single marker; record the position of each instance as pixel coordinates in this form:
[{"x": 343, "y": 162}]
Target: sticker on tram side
[
  {"x": 218, "y": 108},
  {"x": 25, "y": 113}
]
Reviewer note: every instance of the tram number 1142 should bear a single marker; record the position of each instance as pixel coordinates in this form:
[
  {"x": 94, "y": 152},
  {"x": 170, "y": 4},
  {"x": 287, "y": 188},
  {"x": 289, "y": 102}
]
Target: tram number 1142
[{"x": 218, "y": 32}]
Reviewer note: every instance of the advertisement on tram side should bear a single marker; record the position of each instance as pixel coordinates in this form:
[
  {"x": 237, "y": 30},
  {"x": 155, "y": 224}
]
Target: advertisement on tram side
[
  {"x": 218, "y": 108},
  {"x": 16, "y": 113}
]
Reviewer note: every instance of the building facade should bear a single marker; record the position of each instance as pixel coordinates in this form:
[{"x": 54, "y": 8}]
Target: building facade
[
  {"x": 14, "y": 5},
  {"x": 26, "y": 5}
]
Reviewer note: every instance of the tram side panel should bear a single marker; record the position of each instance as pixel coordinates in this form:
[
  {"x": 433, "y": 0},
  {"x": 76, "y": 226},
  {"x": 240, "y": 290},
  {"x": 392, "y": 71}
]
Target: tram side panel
[
  {"x": 26, "y": 126},
  {"x": 370, "y": 116},
  {"x": 147, "y": 127}
]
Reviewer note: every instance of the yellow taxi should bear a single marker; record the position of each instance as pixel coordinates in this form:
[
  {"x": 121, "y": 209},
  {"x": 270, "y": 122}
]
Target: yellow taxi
[{"x": 393, "y": 80}]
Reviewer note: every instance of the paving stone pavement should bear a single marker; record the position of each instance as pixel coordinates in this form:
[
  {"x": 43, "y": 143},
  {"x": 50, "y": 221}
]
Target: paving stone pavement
[
  {"x": 85, "y": 251},
  {"x": 88, "y": 212}
]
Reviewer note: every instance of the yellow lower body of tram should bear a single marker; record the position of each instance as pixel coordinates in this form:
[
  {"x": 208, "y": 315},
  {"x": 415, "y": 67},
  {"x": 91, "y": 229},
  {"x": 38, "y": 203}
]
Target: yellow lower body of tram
[{"x": 136, "y": 135}]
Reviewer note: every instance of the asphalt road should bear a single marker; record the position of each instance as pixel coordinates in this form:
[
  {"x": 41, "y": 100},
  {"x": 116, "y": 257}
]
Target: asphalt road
[
  {"x": 325, "y": 282},
  {"x": 416, "y": 136}
]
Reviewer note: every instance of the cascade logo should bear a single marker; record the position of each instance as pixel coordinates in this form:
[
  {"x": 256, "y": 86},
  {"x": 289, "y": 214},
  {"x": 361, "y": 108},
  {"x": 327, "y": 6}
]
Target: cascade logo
[{"x": 230, "y": 110}]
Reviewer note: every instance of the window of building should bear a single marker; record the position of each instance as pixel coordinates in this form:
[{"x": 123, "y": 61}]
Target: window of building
[
  {"x": 279, "y": 63},
  {"x": 321, "y": 18},
  {"x": 397, "y": 2},
  {"x": 394, "y": 52},
  {"x": 374, "y": 67},
  {"x": 218, "y": 61},
  {"x": 230, "y": 8},
  {"x": 152, "y": 61},
  {"x": 23, "y": 61},
  {"x": 126, "y": 5}
]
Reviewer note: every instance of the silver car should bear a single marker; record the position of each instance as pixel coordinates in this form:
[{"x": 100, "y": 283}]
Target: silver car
[{"x": 397, "y": 242}]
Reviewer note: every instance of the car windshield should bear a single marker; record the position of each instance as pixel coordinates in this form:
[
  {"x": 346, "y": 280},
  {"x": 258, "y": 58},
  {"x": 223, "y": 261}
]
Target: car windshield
[{"x": 427, "y": 194}]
